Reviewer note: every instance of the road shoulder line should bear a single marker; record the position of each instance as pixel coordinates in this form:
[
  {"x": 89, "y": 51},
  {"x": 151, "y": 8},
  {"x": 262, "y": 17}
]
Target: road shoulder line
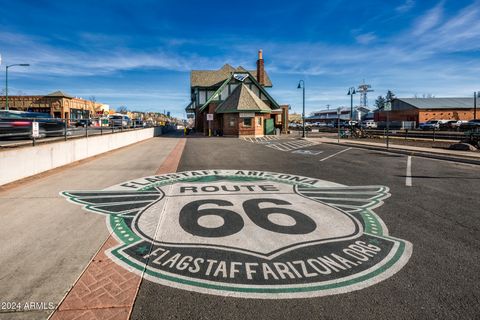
[{"x": 335, "y": 154}]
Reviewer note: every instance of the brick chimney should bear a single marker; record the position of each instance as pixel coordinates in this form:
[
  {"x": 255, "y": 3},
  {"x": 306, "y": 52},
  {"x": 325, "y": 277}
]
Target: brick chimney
[{"x": 260, "y": 68}]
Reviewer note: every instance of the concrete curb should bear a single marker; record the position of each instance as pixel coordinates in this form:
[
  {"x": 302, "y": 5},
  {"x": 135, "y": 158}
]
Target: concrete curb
[{"x": 411, "y": 153}]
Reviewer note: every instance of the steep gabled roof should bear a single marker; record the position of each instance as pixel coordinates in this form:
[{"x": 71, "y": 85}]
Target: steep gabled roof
[
  {"x": 210, "y": 78},
  {"x": 216, "y": 93},
  {"x": 242, "y": 99},
  {"x": 59, "y": 94},
  {"x": 439, "y": 103},
  {"x": 255, "y": 82}
]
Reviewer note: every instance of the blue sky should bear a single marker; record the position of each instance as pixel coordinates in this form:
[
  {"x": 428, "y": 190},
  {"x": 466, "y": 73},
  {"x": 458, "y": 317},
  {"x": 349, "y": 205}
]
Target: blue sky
[{"x": 139, "y": 53}]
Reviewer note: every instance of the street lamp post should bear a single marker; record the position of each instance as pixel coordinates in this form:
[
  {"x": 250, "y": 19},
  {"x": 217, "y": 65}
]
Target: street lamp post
[
  {"x": 301, "y": 85},
  {"x": 475, "y": 96},
  {"x": 351, "y": 92},
  {"x": 339, "y": 112},
  {"x": 6, "y": 80}
]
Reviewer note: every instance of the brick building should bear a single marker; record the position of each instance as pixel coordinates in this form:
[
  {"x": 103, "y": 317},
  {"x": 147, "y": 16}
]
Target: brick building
[
  {"x": 237, "y": 100},
  {"x": 424, "y": 109},
  {"x": 58, "y": 104}
]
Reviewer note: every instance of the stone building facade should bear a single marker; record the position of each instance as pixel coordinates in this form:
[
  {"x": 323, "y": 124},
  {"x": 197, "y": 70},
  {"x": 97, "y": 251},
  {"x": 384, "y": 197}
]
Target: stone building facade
[{"x": 58, "y": 104}]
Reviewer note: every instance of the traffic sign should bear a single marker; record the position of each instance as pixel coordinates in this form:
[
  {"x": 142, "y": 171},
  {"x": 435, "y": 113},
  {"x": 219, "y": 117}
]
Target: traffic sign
[
  {"x": 209, "y": 116},
  {"x": 35, "y": 130}
]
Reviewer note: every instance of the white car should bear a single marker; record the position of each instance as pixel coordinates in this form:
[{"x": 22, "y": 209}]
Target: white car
[
  {"x": 369, "y": 124},
  {"x": 120, "y": 120},
  {"x": 457, "y": 124}
]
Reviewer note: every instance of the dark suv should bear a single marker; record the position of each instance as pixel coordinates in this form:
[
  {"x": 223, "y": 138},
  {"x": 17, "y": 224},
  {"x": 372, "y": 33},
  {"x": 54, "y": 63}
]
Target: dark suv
[
  {"x": 19, "y": 124},
  {"x": 83, "y": 123},
  {"x": 470, "y": 125}
]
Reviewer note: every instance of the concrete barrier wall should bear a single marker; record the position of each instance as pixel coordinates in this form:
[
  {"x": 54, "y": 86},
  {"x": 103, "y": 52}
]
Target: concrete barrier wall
[{"x": 20, "y": 163}]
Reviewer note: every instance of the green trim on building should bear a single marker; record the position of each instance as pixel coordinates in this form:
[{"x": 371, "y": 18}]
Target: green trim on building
[{"x": 216, "y": 93}]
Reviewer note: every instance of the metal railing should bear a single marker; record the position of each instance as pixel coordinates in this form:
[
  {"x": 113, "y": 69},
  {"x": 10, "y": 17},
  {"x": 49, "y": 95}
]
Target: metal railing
[
  {"x": 19, "y": 131},
  {"x": 433, "y": 134}
]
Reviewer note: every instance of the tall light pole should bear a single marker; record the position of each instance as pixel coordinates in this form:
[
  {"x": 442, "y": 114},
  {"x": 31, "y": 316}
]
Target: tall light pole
[
  {"x": 351, "y": 92},
  {"x": 475, "y": 96},
  {"x": 301, "y": 85},
  {"x": 6, "y": 80}
]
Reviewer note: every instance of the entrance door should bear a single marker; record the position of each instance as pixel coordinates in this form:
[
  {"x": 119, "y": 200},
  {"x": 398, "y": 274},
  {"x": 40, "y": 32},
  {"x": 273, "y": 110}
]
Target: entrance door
[{"x": 269, "y": 127}]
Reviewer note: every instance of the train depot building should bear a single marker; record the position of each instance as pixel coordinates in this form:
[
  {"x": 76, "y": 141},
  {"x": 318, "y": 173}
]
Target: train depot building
[
  {"x": 423, "y": 109},
  {"x": 234, "y": 102}
]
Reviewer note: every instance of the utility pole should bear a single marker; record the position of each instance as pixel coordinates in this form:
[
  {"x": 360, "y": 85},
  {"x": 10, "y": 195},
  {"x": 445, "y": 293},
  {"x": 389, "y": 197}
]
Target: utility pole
[{"x": 475, "y": 94}]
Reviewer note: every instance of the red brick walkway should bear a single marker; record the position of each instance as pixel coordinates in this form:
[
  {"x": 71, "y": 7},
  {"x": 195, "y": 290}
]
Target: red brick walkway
[{"x": 105, "y": 290}]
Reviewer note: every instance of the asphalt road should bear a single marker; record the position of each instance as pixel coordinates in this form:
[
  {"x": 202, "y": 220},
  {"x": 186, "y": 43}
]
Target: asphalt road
[
  {"x": 433, "y": 205},
  {"x": 438, "y": 214}
]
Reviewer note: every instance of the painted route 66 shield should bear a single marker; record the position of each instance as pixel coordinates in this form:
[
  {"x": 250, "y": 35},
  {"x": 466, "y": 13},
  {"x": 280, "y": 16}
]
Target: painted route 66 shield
[{"x": 249, "y": 233}]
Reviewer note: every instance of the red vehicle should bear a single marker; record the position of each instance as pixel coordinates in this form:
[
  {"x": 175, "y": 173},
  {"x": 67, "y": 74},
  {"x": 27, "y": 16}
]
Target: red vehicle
[{"x": 19, "y": 124}]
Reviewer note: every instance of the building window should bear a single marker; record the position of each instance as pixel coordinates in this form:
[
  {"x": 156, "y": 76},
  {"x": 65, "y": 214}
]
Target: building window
[
  {"x": 247, "y": 122},
  {"x": 259, "y": 121}
]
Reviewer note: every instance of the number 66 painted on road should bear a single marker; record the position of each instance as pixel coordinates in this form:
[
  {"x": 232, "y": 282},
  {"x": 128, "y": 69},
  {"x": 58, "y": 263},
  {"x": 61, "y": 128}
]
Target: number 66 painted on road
[{"x": 233, "y": 222}]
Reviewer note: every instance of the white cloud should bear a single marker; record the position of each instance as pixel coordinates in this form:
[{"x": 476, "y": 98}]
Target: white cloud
[
  {"x": 406, "y": 6},
  {"x": 47, "y": 59},
  {"x": 429, "y": 20},
  {"x": 366, "y": 38}
]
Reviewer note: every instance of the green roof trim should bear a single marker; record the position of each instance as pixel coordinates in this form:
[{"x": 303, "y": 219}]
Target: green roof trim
[
  {"x": 262, "y": 89},
  {"x": 242, "y": 99},
  {"x": 246, "y": 111},
  {"x": 274, "y": 106},
  {"x": 219, "y": 90}
]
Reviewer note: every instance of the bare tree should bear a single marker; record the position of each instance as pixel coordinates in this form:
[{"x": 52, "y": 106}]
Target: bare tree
[
  {"x": 122, "y": 109},
  {"x": 93, "y": 101}
]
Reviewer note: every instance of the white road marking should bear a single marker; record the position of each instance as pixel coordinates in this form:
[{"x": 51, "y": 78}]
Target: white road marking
[
  {"x": 333, "y": 155},
  {"x": 408, "y": 178},
  {"x": 277, "y": 143},
  {"x": 309, "y": 152}
]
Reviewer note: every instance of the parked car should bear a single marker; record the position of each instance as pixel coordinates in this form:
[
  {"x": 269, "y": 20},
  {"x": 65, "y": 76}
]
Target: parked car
[
  {"x": 120, "y": 120},
  {"x": 83, "y": 123},
  {"x": 369, "y": 124},
  {"x": 342, "y": 124},
  {"x": 430, "y": 125},
  {"x": 470, "y": 125},
  {"x": 19, "y": 124},
  {"x": 446, "y": 125},
  {"x": 456, "y": 125},
  {"x": 139, "y": 123}
]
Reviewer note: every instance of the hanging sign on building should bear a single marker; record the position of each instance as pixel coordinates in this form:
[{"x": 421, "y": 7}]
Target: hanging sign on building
[
  {"x": 388, "y": 106},
  {"x": 247, "y": 115}
]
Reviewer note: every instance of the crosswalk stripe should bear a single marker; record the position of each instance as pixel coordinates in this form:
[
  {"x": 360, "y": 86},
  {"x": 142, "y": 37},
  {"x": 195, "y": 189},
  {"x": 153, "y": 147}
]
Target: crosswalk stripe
[{"x": 281, "y": 144}]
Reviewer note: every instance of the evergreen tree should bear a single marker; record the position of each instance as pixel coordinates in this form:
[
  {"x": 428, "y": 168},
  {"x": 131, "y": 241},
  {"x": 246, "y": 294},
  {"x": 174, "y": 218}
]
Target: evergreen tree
[
  {"x": 390, "y": 96},
  {"x": 380, "y": 102}
]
